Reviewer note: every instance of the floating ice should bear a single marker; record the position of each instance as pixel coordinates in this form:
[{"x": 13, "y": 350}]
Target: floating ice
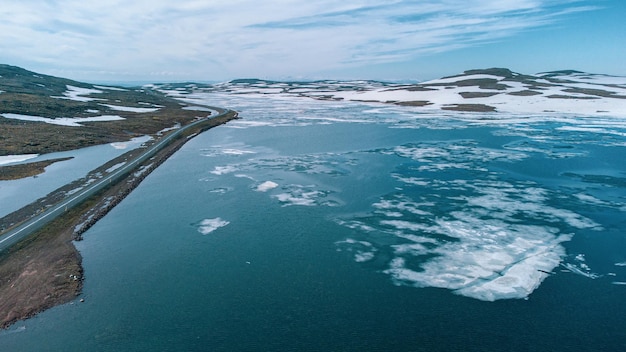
[
  {"x": 304, "y": 196},
  {"x": 223, "y": 170},
  {"x": 363, "y": 251},
  {"x": 266, "y": 186},
  {"x": 209, "y": 225},
  {"x": 438, "y": 156},
  {"x": 481, "y": 246}
]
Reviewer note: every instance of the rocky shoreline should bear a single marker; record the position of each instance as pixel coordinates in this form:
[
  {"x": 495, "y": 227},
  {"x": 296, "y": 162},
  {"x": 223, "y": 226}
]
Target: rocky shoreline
[{"x": 45, "y": 270}]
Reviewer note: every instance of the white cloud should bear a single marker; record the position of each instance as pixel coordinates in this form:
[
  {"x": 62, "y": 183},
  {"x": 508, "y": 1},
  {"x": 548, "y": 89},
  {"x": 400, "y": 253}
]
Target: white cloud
[{"x": 220, "y": 39}]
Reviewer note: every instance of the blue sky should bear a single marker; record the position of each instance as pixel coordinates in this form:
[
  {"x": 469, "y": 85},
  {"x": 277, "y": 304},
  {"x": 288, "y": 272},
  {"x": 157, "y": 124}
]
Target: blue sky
[{"x": 204, "y": 40}]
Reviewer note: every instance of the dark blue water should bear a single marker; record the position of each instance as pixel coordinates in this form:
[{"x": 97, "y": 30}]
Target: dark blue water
[{"x": 289, "y": 231}]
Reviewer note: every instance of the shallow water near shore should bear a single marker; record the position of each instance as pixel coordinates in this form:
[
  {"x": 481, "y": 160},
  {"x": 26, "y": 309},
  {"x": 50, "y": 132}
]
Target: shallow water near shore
[{"x": 327, "y": 226}]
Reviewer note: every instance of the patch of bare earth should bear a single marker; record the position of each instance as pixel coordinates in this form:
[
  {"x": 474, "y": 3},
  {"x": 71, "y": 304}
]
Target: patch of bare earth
[
  {"x": 469, "y": 107},
  {"x": 414, "y": 103},
  {"x": 38, "y": 274}
]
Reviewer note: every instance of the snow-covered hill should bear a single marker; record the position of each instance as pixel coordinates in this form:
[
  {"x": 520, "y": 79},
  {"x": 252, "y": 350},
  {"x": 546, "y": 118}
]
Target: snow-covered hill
[{"x": 488, "y": 90}]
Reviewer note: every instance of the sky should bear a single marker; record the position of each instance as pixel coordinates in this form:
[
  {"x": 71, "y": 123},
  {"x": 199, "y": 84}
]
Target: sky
[{"x": 216, "y": 40}]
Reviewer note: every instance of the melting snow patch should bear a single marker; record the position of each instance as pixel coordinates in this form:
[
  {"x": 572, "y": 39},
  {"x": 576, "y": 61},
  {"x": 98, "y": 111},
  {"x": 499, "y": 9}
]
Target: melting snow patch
[
  {"x": 76, "y": 94},
  {"x": 63, "y": 121},
  {"x": 209, "y": 225},
  {"x": 133, "y": 143},
  {"x": 8, "y": 159},
  {"x": 115, "y": 167},
  {"x": 129, "y": 108}
]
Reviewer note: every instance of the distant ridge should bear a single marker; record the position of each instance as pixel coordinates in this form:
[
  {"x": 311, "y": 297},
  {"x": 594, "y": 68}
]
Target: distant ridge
[
  {"x": 18, "y": 80},
  {"x": 489, "y": 90}
]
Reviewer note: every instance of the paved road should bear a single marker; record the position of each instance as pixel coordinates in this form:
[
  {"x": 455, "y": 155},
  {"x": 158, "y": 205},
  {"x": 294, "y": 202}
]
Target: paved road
[{"x": 28, "y": 227}]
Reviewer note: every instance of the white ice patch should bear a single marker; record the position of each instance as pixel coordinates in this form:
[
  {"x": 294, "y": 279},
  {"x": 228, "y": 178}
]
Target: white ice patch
[
  {"x": 129, "y": 108},
  {"x": 266, "y": 186},
  {"x": 175, "y": 127},
  {"x": 231, "y": 150},
  {"x": 489, "y": 260},
  {"x": 223, "y": 170},
  {"x": 438, "y": 156},
  {"x": 77, "y": 94},
  {"x": 209, "y": 225},
  {"x": 115, "y": 167},
  {"x": 8, "y": 159},
  {"x": 579, "y": 266},
  {"x": 133, "y": 143},
  {"x": 303, "y": 196},
  {"x": 363, "y": 251},
  {"x": 63, "y": 121},
  {"x": 481, "y": 246}
]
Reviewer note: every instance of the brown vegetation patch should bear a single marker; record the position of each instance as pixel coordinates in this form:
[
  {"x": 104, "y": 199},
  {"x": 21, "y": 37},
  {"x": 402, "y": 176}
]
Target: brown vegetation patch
[
  {"x": 470, "y": 95},
  {"x": 39, "y": 273},
  {"x": 482, "y": 83},
  {"x": 414, "y": 103},
  {"x": 469, "y": 108},
  {"x": 525, "y": 93},
  {"x": 15, "y": 172},
  {"x": 412, "y": 88},
  {"x": 562, "y": 96},
  {"x": 596, "y": 92}
]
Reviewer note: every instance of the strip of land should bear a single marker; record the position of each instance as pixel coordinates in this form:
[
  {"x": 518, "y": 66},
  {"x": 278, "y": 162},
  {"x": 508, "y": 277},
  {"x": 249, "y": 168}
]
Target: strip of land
[{"x": 44, "y": 269}]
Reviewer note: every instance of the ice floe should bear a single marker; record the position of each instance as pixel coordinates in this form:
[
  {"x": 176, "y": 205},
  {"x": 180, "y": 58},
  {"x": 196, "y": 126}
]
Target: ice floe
[
  {"x": 266, "y": 186},
  {"x": 207, "y": 226},
  {"x": 363, "y": 251},
  {"x": 480, "y": 246},
  {"x": 438, "y": 156},
  {"x": 222, "y": 170},
  {"x": 304, "y": 196}
]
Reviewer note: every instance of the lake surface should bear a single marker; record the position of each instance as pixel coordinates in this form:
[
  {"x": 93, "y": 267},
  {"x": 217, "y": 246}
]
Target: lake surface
[{"x": 327, "y": 226}]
